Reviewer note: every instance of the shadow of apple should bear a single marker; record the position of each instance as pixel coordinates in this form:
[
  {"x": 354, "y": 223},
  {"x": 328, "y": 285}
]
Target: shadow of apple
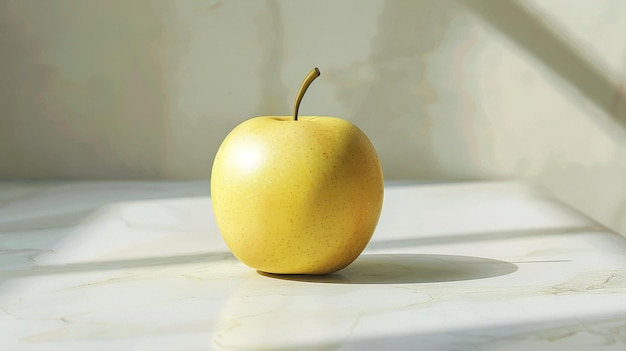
[{"x": 408, "y": 269}]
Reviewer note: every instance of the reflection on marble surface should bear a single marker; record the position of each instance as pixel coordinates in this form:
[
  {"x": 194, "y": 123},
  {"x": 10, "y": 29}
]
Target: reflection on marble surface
[{"x": 141, "y": 265}]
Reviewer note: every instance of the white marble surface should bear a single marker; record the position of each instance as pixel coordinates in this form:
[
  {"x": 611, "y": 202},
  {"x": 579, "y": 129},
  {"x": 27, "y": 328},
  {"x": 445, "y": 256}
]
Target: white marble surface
[{"x": 141, "y": 266}]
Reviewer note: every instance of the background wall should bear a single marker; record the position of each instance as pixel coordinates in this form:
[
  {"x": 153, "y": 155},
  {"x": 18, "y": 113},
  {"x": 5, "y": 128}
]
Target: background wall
[{"x": 445, "y": 89}]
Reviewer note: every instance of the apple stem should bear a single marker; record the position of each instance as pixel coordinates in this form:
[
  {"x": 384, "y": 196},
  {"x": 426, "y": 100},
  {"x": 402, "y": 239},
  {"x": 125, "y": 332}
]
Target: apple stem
[{"x": 315, "y": 72}]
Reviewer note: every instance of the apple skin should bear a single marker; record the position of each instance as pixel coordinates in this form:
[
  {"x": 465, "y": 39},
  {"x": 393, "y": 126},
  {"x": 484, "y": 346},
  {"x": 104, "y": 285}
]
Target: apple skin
[{"x": 297, "y": 197}]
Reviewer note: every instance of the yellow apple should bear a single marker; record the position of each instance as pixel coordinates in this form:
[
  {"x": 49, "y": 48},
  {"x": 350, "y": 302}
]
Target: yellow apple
[{"x": 296, "y": 195}]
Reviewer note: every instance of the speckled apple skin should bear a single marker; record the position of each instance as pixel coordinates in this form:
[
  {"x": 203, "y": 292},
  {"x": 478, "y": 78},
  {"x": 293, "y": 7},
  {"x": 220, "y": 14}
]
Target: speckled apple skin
[{"x": 297, "y": 197}]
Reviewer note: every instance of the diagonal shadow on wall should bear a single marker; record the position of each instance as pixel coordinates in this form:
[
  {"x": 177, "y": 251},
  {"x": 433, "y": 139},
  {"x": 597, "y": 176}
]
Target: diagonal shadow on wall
[{"x": 528, "y": 30}]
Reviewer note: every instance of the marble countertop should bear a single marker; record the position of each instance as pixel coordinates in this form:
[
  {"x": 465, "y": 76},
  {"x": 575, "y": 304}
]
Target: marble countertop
[{"x": 451, "y": 266}]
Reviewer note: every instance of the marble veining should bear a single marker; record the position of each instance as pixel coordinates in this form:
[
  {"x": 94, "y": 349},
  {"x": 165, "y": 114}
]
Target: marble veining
[{"x": 141, "y": 266}]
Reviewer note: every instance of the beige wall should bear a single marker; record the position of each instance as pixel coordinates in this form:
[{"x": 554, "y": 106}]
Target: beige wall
[{"x": 445, "y": 89}]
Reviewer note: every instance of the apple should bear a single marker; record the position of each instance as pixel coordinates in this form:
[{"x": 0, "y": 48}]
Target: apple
[{"x": 297, "y": 195}]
